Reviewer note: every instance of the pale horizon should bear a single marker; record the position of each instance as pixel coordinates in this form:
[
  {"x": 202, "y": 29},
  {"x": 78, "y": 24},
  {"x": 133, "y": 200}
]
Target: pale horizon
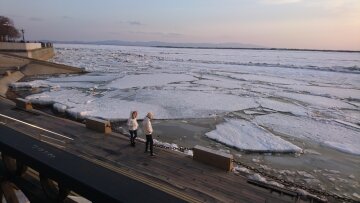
[{"x": 299, "y": 24}]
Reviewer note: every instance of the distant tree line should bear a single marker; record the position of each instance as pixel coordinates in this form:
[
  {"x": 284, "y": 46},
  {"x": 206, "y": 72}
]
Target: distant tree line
[{"x": 8, "y": 32}]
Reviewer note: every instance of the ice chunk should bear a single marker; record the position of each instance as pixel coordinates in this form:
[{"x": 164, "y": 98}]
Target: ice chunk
[
  {"x": 31, "y": 84},
  {"x": 61, "y": 108},
  {"x": 258, "y": 177},
  {"x": 316, "y": 100},
  {"x": 281, "y": 106},
  {"x": 305, "y": 174},
  {"x": 145, "y": 80},
  {"x": 356, "y": 195},
  {"x": 344, "y": 147},
  {"x": 251, "y": 137},
  {"x": 347, "y": 123},
  {"x": 310, "y": 151},
  {"x": 84, "y": 78},
  {"x": 241, "y": 169},
  {"x": 328, "y": 91},
  {"x": 328, "y": 133}
]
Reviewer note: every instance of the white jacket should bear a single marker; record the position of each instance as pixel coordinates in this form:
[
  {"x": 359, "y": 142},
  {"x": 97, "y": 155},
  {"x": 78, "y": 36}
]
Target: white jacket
[
  {"x": 147, "y": 127},
  {"x": 132, "y": 124}
]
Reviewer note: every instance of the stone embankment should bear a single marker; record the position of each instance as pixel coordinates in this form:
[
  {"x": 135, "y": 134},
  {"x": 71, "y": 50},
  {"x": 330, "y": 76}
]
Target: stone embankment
[
  {"x": 36, "y": 50},
  {"x": 14, "y": 68}
]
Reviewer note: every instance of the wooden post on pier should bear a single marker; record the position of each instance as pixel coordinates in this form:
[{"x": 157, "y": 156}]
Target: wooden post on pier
[
  {"x": 214, "y": 158},
  {"x": 99, "y": 125}
]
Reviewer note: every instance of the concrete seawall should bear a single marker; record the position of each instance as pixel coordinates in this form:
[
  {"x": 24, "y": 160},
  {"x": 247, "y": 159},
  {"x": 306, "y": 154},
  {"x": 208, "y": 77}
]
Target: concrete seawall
[
  {"x": 14, "y": 68},
  {"x": 41, "y": 53},
  {"x": 35, "y": 50}
]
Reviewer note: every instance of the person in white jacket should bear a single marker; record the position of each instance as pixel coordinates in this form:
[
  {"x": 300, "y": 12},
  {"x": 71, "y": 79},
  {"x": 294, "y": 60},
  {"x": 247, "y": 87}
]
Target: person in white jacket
[
  {"x": 133, "y": 126},
  {"x": 148, "y": 131}
]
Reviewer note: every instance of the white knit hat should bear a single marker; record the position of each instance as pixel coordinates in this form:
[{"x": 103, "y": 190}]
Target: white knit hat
[{"x": 150, "y": 115}]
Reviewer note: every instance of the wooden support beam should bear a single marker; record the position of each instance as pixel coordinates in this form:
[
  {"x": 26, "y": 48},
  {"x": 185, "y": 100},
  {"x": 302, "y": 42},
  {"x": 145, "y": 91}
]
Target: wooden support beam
[
  {"x": 24, "y": 104},
  {"x": 214, "y": 158},
  {"x": 99, "y": 125}
]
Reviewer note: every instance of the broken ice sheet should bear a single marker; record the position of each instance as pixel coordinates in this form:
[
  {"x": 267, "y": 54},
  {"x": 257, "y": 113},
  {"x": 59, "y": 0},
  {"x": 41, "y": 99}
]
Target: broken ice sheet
[
  {"x": 328, "y": 133},
  {"x": 251, "y": 137}
]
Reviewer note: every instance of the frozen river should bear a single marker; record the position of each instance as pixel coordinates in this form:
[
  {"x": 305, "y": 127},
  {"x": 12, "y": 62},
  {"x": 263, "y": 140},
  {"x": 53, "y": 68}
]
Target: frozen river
[{"x": 260, "y": 105}]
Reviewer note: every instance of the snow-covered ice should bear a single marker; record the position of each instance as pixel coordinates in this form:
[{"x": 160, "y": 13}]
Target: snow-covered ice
[
  {"x": 328, "y": 133},
  {"x": 251, "y": 137},
  {"x": 282, "y": 106},
  {"x": 316, "y": 101},
  {"x": 146, "y": 80}
]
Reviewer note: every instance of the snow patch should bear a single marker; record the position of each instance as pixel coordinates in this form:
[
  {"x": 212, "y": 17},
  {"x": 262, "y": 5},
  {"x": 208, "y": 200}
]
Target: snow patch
[{"x": 241, "y": 169}]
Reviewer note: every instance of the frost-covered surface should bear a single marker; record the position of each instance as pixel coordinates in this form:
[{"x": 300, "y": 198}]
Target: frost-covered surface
[
  {"x": 251, "y": 137},
  {"x": 305, "y": 89}
]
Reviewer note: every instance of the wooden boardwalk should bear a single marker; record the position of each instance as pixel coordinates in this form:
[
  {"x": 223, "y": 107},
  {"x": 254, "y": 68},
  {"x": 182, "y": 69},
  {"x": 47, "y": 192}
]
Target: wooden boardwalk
[{"x": 170, "y": 171}]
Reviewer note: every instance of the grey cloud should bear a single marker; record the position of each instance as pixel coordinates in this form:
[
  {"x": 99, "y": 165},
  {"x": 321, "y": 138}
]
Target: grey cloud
[
  {"x": 66, "y": 17},
  {"x": 158, "y": 34},
  {"x": 35, "y": 19},
  {"x": 134, "y": 23},
  {"x": 174, "y": 34}
]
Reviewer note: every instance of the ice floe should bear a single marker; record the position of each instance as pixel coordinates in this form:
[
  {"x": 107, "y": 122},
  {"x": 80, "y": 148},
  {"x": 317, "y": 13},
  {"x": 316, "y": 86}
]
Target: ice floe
[
  {"x": 282, "y": 106},
  {"x": 316, "y": 101},
  {"x": 250, "y": 137},
  {"x": 328, "y": 133},
  {"x": 30, "y": 84},
  {"x": 146, "y": 80},
  {"x": 165, "y": 104}
]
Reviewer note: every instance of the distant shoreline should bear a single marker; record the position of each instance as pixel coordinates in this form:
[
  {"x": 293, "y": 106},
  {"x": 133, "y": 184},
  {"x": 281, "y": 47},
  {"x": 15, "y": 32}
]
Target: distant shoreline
[
  {"x": 209, "y": 47},
  {"x": 275, "y": 49}
]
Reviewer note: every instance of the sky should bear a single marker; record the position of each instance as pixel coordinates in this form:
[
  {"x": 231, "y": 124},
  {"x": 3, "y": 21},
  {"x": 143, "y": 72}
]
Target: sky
[{"x": 312, "y": 24}]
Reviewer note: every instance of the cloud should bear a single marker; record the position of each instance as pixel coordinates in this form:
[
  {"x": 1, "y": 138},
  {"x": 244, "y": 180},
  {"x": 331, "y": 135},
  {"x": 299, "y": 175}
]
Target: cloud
[
  {"x": 114, "y": 33},
  {"x": 172, "y": 34},
  {"x": 136, "y": 23},
  {"x": 162, "y": 34},
  {"x": 35, "y": 19},
  {"x": 66, "y": 17}
]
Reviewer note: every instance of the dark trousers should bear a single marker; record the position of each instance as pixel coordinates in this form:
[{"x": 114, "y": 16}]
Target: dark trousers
[
  {"x": 149, "y": 139},
  {"x": 133, "y": 135}
]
